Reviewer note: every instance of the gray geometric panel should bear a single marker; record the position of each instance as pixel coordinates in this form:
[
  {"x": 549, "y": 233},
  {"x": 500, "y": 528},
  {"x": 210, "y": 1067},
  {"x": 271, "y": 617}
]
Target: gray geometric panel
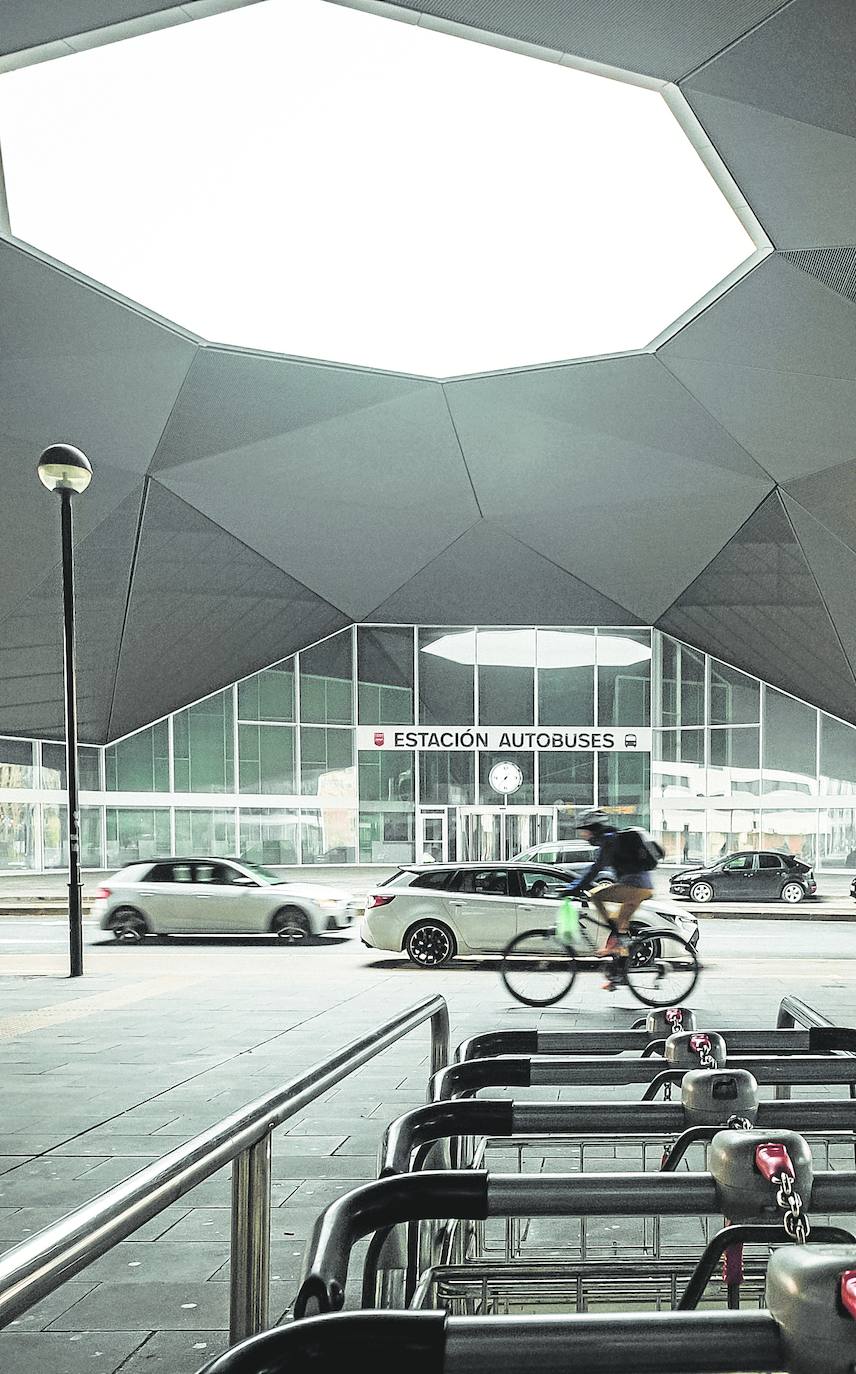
[
  {"x": 29, "y": 515},
  {"x": 779, "y": 108},
  {"x": 78, "y": 366},
  {"x": 834, "y": 569},
  {"x": 328, "y": 472},
  {"x": 774, "y": 360},
  {"x": 487, "y": 577},
  {"x": 831, "y": 498},
  {"x": 31, "y": 682},
  {"x": 609, "y": 469},
  {"x": 28, "y": 25},
  {"x": 664, "y": 38},
  {"x": 203, "y": 611},
  {"x": 835, "y": 267},
  {"x": 758, "y": 606}
]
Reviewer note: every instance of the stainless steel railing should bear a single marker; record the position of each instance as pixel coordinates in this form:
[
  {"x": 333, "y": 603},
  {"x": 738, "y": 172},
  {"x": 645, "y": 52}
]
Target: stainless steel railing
[{"x": 30, "y": 1271}]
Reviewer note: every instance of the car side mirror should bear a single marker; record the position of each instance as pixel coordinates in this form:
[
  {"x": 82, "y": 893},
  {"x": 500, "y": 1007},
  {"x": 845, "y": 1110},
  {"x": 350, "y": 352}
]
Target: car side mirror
[{"x": 245, "y": 882}]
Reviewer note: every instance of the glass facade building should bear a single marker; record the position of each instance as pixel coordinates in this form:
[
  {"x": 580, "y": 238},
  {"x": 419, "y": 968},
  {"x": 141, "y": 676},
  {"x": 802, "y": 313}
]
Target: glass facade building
[{"x": 378, "y": 745}]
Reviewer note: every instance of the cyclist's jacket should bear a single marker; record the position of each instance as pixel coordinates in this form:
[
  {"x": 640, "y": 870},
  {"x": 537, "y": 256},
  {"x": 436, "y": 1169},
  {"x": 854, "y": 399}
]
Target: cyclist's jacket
[{"x": 620, "y": 858}]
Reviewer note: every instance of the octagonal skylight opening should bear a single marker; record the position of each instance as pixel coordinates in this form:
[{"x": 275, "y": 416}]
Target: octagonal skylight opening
[{"x": 310, "y": 179}]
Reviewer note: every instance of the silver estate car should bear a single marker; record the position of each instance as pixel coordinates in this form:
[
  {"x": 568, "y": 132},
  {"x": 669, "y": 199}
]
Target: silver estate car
[
  {"x": 208, "y": 896},
  {"x": 432, "y": 912}
]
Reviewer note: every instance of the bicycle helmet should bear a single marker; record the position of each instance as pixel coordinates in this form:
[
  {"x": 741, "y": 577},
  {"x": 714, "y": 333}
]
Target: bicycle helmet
[{"x": 591, "y": 820}]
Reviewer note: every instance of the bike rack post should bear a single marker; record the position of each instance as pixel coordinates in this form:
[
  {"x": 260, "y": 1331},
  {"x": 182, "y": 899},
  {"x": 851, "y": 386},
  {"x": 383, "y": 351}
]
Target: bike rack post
[{"x": 250, "y": 1252}]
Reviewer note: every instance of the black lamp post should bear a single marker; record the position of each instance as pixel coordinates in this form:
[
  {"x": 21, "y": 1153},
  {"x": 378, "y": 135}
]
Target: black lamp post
[{"x": 66, "y": 470}]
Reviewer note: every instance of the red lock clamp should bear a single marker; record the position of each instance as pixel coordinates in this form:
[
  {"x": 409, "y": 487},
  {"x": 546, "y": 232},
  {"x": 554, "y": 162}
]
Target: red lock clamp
[
  {"x": 847, "y": 1292},
  {"x": 699, "y": 1042},
  {"x": 772, "y": 1161}
]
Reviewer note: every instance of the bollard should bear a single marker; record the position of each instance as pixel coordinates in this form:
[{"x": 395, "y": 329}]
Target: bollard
[
  {"x": 669, "y": 1021},
  {"x": 810, "y": 1295},
  {"x": 711, "y": 1097}
]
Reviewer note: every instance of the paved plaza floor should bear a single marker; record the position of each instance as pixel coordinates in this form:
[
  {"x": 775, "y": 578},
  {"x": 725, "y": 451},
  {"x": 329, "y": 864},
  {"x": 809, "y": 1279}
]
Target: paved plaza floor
[{"x": 101, "y": 1075}]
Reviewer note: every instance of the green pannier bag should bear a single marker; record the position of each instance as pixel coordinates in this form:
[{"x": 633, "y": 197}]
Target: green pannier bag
[{"x": 568, "y": 922}]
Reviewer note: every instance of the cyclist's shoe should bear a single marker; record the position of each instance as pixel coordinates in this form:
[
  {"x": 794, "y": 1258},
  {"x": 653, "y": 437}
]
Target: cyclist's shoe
[
  {"x": 609, "y": 948},
  {"x": 609, "y": 985}
]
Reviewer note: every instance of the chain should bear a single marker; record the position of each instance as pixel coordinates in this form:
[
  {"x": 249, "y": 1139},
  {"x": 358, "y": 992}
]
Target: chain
[
  {"x": 795, "y": 1222},
  {"x": 675, "y": 1018},
  {"x": 700, "y": 1044},
  {"x": 667, "y": 1091},
  {"x": 739, "y": 1123}
]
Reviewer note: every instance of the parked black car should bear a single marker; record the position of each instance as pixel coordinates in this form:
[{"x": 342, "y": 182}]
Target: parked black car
[{"x": 759, "y": 875}]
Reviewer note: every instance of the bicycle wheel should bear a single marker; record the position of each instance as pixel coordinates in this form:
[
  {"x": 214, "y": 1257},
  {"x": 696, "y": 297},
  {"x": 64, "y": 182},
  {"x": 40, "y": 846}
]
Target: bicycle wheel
[
  {"x": 661, "y": 969},
  {"x": 537, "y": 968}
]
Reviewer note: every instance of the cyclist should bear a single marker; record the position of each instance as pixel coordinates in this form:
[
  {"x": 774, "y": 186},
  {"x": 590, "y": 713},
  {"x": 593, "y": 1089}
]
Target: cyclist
[{"x": 620, "y": 866}]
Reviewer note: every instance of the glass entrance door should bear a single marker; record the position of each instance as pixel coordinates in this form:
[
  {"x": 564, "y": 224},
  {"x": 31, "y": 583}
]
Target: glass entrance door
[
  {"x": 432, "y": 837},
  {"x": 489, "y": 834}
]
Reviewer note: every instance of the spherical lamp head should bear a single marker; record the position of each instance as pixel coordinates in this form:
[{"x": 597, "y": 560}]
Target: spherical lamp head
[{"x": 64, "y": 468}]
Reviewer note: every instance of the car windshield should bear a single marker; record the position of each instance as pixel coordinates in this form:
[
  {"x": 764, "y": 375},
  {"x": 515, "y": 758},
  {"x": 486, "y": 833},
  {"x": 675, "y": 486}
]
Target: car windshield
[{"x": 264, "y": 875}]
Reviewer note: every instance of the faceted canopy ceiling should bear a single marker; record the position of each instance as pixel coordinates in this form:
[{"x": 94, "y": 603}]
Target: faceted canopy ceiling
[
  {"x": 245, "y": 504},
  {"x": 485, "y": 229}
]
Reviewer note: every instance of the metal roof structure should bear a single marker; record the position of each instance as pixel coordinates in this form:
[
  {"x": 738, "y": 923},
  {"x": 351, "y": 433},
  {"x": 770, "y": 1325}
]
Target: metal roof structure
[{"x": 248, "y": 504}]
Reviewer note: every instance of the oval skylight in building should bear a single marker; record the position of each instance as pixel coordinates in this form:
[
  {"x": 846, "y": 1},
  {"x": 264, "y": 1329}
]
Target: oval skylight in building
[{"x": 311, "y": 179}]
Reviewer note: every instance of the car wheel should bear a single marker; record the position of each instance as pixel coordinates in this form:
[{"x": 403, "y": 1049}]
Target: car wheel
[
  {"x": 701, "y": 892},
  {"x": 429, "y": 944},
  {"x": 290, "y": 925},
  {"x": 793, "y": 892},
  {"x": 644, "y": 951},
  {"x": 128, "y": 925}
]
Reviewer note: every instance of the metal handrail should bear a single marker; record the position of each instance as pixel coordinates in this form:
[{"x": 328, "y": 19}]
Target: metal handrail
[
  {"x": 38, "y": 1266},
  {"x": 793, "y": 1011}
]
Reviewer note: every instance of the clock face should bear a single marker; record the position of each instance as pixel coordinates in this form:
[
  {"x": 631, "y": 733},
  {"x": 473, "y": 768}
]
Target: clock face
[{"x": 505, "y": 777}]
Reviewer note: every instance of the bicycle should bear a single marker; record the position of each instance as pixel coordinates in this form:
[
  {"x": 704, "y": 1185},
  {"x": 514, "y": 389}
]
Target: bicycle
[{"x": 539, "y": 967}]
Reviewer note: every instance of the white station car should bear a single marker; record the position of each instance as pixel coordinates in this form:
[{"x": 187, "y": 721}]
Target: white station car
[
  {"x": 432, "y": 912},
  {"x": 208, "y": 896}
]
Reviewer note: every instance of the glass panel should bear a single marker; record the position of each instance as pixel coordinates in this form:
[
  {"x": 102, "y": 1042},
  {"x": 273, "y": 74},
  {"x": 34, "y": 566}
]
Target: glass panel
[
  {"x": 328, "y": 837},
  {"x": 790, "y": 746},
  {"x": 624, "y": 787},
  {"x": 202, "y": 740},
  {"x": 446, "y": 659},
  {"x": 326, "y": 688},
  {"x": 327, "y": 762},
  {"x": 792, "y": 831},
  {"x": 565, "y": 677},
  {"x": 269, "y": 837},
  {"x": 506, "y": 668},
  {"x": 681, "y": 833},
  {"x": 268, "y": 695},
  {"x": 566, "y": 779},
  {"x": 677, "y": 765},
  {"x": 732, "y": 828},
  {"x": 734, "y": 770},
  {"x": 139, "y": 763},
  {"x": 624, "y": 677},
  {"x": 204, "y": 832},
  {"x": 88, "y": 767},
  {"x": 386, "y": 775},
  {"x": 387, "y": 837},
  {"x": 837, "y": 757},
  {"x": 525, "y": 794},
  {"x": 17, "y": 765},
  {"x": 735, "y": 699},
  {"x": 385, "y": 676},
  {"x": 447, "y": 779},
  {"x": 681, "y": 684},
  {"x": 837, "y": 837},
  {"x": 135, "y": 833},
  {"x": 55, "y": 836},
  {"x": 266, "y": 759},
  {"x": 17, "y": 835}
]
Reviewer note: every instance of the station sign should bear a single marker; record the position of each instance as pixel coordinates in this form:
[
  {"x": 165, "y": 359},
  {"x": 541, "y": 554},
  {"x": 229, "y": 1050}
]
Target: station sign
[{"x": 625, "y": 739}]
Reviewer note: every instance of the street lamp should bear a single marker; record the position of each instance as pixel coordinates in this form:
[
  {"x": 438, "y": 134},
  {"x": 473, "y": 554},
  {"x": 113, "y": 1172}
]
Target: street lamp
[{"x": 66, "y": 470}]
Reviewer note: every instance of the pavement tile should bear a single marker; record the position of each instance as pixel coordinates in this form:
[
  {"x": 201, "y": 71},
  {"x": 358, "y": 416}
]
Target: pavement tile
[
  {"x": 46, "y": 1352},
  {"x": 141, "y": 1261},
  {"x": 172, "y": 1352},
  {"x": 51, "y": 1308},
  {"x": 166, "y": 1306}
]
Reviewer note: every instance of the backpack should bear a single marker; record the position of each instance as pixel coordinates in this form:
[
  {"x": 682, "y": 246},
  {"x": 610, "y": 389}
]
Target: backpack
[{"x": 639, "y": 852}]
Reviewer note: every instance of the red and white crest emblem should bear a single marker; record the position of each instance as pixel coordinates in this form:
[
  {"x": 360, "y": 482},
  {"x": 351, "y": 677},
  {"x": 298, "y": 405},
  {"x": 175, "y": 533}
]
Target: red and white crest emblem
[{"x": 379, "y": 737}]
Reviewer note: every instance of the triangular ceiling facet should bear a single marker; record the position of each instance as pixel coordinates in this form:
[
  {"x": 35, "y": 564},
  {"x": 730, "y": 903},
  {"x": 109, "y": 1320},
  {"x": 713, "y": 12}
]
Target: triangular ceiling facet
[
  {"x": 348, "y": 481},
  {"x": 757, "y": 606},
  {"x": 834, "y": 568},
  {"x": 601, "y": 467},
  {"x": 204, "y": 610},
  {"x": 31, "y": 653},
  {"x": 491, "y": 578}
]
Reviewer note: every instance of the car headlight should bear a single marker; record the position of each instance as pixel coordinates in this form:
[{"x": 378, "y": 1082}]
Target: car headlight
[{"x": 328, "y": 903}]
